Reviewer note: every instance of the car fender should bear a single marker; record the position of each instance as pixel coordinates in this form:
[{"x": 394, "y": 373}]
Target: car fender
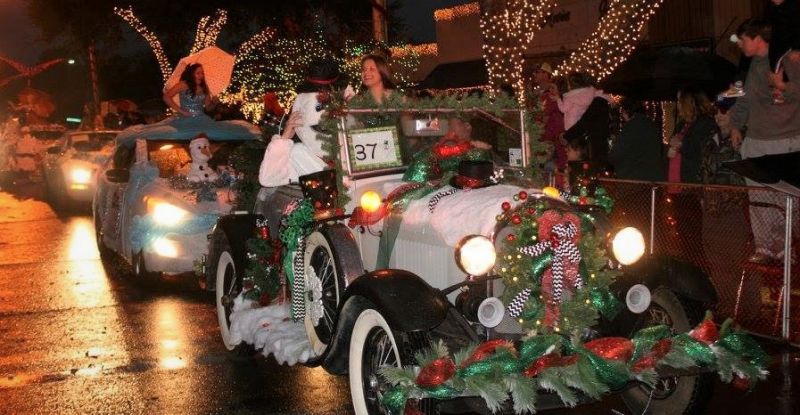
[
  {"x": 404, "y": 299},
  {"x": 237, "y": 228},
  {"x": 683, "y": 278}
]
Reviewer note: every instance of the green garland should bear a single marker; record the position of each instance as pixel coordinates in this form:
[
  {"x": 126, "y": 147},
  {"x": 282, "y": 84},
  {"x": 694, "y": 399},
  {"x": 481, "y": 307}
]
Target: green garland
[
  {"x": 497, "y": 370},
  {"x": 261, "y": 280},
  {"x": 246, "y": 160}
]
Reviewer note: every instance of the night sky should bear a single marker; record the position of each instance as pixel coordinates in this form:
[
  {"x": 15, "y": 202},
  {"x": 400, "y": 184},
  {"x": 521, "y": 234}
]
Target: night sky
[{"x": 418, "y": 17}]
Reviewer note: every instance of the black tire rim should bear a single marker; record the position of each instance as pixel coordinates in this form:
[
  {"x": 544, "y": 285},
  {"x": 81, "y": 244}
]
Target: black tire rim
[
  {"x": 322, "y": 264},
  {"x": 378, "y": 352},
  {"x": 231, "y": 291},
  {"x": 664, "y": 387}
]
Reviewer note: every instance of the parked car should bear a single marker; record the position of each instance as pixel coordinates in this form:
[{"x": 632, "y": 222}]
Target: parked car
[
  {"x": 379, "y": 306},
  {"x": 69, "y": 170},
  {"x": 146, "y": 211}
]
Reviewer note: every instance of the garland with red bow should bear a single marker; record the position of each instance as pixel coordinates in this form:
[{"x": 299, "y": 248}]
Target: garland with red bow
[{"x": 497, "y": 369}]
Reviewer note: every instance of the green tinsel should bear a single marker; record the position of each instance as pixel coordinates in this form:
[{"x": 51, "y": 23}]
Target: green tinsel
[{"x": 296, "y": 225}]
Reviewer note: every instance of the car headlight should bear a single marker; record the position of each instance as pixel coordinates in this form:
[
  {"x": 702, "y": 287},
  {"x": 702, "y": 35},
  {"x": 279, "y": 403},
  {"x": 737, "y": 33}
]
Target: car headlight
[
  {"x": 165, "y": 247},
  {"x": 628, "y": 245},
  {"x": 80, "y": 175},
  {"x": 475, "y": 255},
  {"x": 165, "y": 213}
]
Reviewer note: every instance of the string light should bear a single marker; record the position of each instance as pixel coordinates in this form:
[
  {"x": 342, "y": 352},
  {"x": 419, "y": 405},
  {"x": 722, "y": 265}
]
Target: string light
[
  {"x": 425, "y": 49},
  {"x": 155, "y": 45},
  {"x": 507, "y": 33},
  {"x": 614, "y": 40},
  {"x": 451, "y": 13},
  {"x": 258, "y": 40},
  {"x": 208, "y": 30}
]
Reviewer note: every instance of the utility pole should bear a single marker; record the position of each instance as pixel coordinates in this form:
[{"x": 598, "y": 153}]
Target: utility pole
[{"x": 379, "y": 31}]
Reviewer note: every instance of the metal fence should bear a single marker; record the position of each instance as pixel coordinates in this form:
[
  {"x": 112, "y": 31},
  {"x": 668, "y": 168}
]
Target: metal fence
[{"x": 715, "y": 228}]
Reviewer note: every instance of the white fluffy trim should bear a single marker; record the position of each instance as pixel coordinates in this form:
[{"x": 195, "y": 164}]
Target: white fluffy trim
[
  {"x": 271, "y": 330},
  {"x": 276, "y": 169}
]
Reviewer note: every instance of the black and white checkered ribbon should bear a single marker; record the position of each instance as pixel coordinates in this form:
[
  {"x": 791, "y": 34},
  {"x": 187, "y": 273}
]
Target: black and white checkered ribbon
[
  {"x": 563, "y": 250},
  {"x": 438, "y": 197},
  {"x": 516, "y": 306},
  {"x": 299, "y": 284}
]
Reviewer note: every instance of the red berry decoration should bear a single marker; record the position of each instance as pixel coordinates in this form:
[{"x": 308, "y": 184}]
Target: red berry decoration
[
  {"x": 506, "y": 206},
  {"x": 583, "y": 200},
  {"x": 523, "y": 195},
  {"x": 511, "y": 237},
  {"x": 516, "y": 220},
  {"x": 741, "y": 383},
  {"x": 531, "y": 211}
]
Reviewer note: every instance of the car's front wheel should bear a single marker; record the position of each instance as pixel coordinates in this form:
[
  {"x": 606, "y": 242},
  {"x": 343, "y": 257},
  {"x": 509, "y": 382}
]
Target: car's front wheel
[
  {"x": 228, "y": 286},
  {"x": 140, "y": 271},
  {"x": 672, "y": 395},
  {"x": 372, "y": 346}
]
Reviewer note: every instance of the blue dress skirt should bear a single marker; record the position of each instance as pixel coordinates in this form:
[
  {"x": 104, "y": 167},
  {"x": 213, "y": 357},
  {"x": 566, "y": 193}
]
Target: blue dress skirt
[{"x": 180, "y": 127}]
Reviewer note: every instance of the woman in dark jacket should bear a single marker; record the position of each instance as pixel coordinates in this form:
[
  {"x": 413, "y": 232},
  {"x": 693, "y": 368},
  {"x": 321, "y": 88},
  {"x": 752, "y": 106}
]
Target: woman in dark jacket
[{"x": 593, "y": 126}]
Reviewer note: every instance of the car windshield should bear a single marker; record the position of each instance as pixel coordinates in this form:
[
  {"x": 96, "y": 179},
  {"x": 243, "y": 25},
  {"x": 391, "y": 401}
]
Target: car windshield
[
  {"x": 92, "y": 141},
  {"x": 173, "y": 158},
  {"x": 386, "y": 141}
]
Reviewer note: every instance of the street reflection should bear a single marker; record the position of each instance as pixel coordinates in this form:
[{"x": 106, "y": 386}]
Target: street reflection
[
  {"x": 169, "y": 334},
  {"x": 88, "y": 282}
]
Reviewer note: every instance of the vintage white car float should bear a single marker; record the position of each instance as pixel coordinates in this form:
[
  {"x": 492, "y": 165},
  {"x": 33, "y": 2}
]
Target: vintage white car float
[{"x": 413, "y": 260}]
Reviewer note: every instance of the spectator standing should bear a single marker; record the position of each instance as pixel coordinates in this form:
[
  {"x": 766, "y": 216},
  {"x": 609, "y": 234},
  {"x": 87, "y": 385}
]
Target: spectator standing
[
  {"x": 636, "y": 153},
  {"x": 577, "y": 99},
  {"x": 592, "y": 125},
  {"x": 771, "y": 129},
  {"x": 547, "y": 93}
]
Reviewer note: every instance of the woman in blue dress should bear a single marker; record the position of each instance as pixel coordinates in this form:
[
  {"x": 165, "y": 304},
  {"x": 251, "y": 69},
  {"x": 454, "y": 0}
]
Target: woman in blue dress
[{"x": 190, "y": 119}]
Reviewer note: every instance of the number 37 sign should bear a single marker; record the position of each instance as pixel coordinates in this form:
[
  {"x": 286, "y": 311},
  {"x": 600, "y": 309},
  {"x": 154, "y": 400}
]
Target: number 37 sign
[{"x": 374, "y": 148}]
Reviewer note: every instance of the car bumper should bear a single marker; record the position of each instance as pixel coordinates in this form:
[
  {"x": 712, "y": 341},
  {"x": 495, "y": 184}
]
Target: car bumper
[
  {"x": 175, "y": 254},
  {"x": 80, "y": 193}
]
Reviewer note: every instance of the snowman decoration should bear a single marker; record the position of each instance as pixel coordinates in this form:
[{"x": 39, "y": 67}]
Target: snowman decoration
[{"x": 200, "y": 171}]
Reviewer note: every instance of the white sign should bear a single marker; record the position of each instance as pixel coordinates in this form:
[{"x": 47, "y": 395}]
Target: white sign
[{"x": 374, "y": 148}]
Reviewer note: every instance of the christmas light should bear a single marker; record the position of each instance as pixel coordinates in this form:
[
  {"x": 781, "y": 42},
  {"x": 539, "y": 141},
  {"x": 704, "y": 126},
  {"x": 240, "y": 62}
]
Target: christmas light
[
  {"x": 208, "y": 30},
  {"x": 614, "y": 40},
  {"x": 256, "y": 41},
  {"x": 425, "y": 49},
  {"x": 508, "y": 31},
  {"x": 134, "y": 22},
  {"x": 451, "y": 13}
]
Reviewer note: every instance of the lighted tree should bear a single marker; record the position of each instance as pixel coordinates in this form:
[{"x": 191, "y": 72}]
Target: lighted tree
[
  {"x": 614, "y": 39},
  {"x": 508, "y": 28}
]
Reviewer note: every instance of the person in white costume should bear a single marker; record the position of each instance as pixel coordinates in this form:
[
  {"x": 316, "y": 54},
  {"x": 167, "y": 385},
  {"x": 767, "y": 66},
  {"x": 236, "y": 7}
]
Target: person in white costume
[{"x": 285, "y": 158}]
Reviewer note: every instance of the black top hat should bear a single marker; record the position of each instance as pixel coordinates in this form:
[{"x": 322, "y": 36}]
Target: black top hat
[
  {"x": 321, "y": 189},
  {"x": 320, "y": 76},
  {"x": 473, "y": 174}
]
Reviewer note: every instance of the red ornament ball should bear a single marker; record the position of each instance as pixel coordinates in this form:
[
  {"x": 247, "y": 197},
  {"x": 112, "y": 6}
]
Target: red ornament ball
[
  {"x": 583, "y": 200},
  {"x": 317, "y": 204},
  {"x": 506, "y": 206},
  {"x": 516, "y": 220},
  {"x": 511, "y": 237},
  {"x": 523, "y": 195},
  {"x": 531, "y": 211}
]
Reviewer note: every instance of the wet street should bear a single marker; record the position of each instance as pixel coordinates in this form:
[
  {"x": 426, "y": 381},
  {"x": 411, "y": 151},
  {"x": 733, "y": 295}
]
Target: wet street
[{"x": 78, "y": 337}]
